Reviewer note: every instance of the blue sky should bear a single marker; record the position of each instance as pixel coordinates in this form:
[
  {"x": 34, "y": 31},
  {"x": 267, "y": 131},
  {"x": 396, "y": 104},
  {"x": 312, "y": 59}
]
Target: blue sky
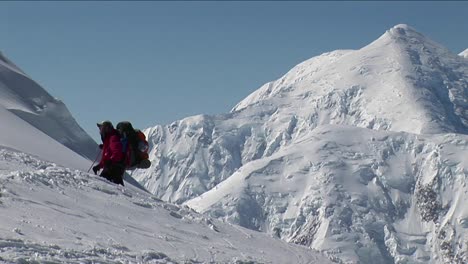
[{"x": 157, "y": 62}]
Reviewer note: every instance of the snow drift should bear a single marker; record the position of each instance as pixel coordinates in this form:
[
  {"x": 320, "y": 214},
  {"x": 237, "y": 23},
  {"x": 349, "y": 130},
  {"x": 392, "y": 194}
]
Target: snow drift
[{"x": 382, "y": 183}]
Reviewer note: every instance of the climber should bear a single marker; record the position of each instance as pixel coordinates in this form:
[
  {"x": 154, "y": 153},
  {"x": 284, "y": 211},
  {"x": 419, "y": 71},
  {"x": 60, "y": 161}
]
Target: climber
[{"x": 112, "y": 158}]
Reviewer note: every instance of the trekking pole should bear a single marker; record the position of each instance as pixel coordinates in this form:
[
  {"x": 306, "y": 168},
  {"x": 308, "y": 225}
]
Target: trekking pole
[{"x": 97, "y": 156}]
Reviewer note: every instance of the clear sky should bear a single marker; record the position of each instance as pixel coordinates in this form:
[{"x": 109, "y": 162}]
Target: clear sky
[{"x": 156, "y": 62}]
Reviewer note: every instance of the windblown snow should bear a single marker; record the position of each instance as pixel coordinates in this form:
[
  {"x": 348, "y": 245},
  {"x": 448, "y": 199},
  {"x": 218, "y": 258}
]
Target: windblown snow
[{"x": 361, "y": 154}]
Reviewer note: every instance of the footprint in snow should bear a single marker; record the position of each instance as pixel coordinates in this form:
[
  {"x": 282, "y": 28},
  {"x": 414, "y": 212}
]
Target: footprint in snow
[
  {"x": 145, "y": 205},
  {"x": 171, "y": 207},
  {"x": 104, "y": 190},
  {"x": 18, "y": 231},
  {"x": 176, "y": 215}
]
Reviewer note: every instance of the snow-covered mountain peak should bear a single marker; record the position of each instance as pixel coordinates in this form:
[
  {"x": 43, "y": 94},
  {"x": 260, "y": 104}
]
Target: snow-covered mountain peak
[
  {"x": 389, "y": 46},
  {"x": 398, "y": 82},
  {"x": 406, "y": 37},
  {"x": 402, "y": 30},
  {"x": 354, "y": 152}
]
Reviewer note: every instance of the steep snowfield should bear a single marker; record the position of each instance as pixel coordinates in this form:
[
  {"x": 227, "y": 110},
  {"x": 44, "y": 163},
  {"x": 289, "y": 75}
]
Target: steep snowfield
[
  {"x": 20, "y": 135},
  {"x": 23, "y": 97},
  {"x": 52, "y": 214},
  {"x": 381, "y": 187},
  {"x": 464, "y": 53}
]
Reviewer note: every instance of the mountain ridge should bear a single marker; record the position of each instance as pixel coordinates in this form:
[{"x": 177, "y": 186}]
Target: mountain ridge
[
  {"x": 396, "y": 57},
  {"x": 26, "y": 99},
  {"x": 309, "y": 95}
]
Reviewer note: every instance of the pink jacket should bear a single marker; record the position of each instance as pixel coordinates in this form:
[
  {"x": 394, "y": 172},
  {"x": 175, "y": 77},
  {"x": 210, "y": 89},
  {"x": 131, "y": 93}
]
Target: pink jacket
[{"x": 111, "y": 149}]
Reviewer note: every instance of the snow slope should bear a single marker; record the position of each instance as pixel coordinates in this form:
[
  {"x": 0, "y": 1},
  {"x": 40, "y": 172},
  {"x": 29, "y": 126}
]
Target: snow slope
[
  {"x": 384, "y": 190},
  {"x": 26, "y": 99},
  {"x": 52, "y": 214}
]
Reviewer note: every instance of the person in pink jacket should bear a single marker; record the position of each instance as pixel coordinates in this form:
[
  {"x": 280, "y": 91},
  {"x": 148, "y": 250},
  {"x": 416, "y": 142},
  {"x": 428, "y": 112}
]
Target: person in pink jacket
[{"x": 112, "y": 159}]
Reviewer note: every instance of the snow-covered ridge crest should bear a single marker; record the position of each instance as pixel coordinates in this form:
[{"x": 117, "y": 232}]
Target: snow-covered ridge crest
[
  {"x": 299, "y": 72},
  {"x": 26, "y": 99},
  {"x": 402, "y": 80},
  {"x": 5, "y": 62}
]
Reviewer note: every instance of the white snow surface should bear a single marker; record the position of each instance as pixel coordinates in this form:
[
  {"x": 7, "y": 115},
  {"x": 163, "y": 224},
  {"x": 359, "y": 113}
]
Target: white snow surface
[
  {"x": 53, "y": 214},
  {"x": 29, "y": 102},
  {"x": 464, "y": 53},
  {"x": 357, "y": 153}
]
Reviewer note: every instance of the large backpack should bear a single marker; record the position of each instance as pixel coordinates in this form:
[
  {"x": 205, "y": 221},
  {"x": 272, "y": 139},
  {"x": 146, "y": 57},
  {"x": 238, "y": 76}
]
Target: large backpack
[{"x": 135, "y": 146}]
